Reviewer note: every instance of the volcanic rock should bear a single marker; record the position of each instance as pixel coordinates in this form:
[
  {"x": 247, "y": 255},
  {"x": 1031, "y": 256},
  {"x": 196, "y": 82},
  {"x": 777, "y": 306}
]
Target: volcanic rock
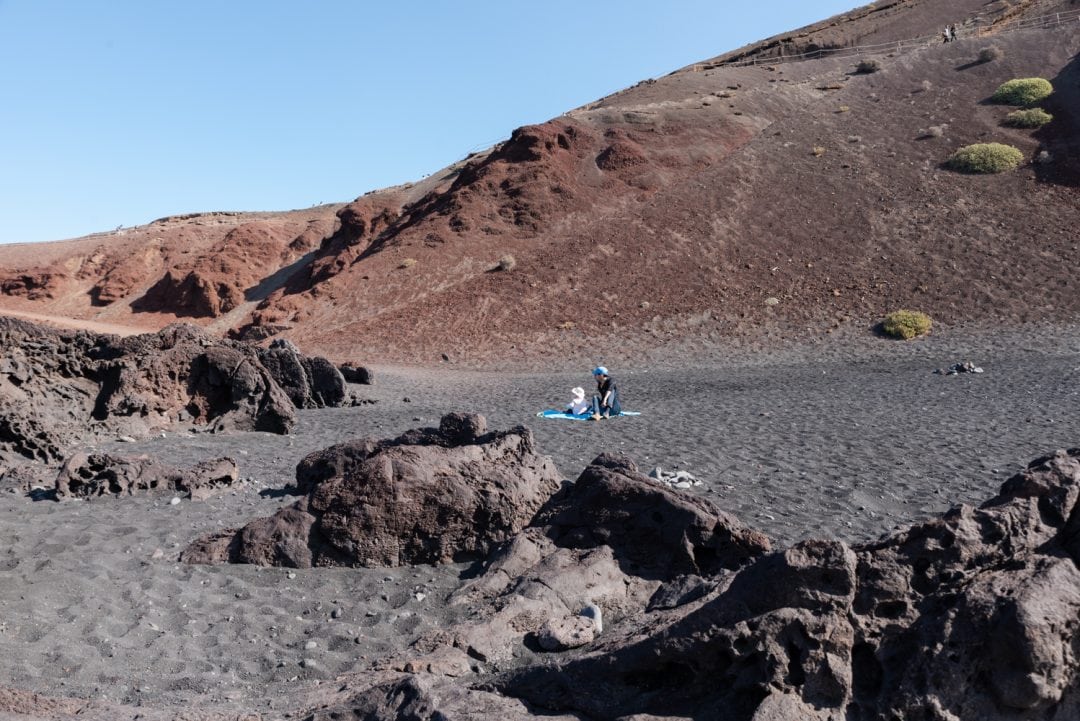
[
  {"x": 310, "y": 382},
  {"x": 58, "y": 388},
  {"x": 85, "y": 475},
  {"x": 654, "y": 531},
  {"x": 357, "y": 374},
  {"x": 608, "y": 540},
  {"x": 431, "y": 495},
  {"x": 970, "y": 616}
]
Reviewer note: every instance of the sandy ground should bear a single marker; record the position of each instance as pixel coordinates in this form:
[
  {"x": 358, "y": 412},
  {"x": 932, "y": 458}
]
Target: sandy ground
[{"x": 848, "y": 440}]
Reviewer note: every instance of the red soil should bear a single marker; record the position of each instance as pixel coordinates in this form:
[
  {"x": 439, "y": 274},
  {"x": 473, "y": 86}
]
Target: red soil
[{"x": 715, "y": 202}]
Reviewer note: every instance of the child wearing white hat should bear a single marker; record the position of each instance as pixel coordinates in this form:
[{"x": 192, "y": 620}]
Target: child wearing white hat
[{"x": 578, "y": 405}]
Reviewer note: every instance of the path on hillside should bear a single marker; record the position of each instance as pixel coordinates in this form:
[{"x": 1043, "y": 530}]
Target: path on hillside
[{"x": 74, "y": 323}]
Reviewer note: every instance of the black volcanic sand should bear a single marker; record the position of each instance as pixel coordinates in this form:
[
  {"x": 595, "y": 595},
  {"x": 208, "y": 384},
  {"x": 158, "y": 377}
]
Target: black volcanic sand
[{"x": 848, "y": 440}]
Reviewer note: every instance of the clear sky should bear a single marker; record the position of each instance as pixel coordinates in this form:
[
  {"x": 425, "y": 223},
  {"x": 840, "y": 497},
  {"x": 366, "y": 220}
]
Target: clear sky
[{"x": 117, "y": 112}]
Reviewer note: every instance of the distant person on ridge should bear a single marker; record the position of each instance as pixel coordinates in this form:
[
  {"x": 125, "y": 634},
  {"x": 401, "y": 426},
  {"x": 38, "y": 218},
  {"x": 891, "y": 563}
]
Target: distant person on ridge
[{"x": 606, "y": 402}]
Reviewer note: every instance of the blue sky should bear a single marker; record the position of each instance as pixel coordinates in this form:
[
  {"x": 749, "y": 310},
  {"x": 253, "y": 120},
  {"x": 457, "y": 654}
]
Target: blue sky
[{"x": 118, "y": 112}]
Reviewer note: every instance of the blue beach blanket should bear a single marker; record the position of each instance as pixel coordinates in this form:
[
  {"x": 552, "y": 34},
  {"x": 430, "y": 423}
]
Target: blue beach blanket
[{"x": 583, "y": 417}]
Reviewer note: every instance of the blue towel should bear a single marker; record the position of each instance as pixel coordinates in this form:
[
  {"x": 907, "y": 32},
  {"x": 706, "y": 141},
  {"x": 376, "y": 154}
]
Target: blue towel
[{"x": 571, "y": 417}]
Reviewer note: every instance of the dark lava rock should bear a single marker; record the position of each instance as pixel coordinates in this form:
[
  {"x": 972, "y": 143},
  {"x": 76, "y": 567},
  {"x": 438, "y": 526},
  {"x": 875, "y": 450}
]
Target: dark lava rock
[
  {"x": 309, "y": 381},
  {"x": 60, "y": 388},
  {"x": 428, "y": 496},
  {"x": 357, "y": 374},
  {"x": 85, "y": 475},
  {"x": 653, "y": 530},
  {"x": 970, "y": 616}
]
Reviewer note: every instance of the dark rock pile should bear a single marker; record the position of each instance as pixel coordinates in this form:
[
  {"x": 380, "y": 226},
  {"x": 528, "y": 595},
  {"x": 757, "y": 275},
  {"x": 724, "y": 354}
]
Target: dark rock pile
[
  {"x": 357, "y": 374},
  {"x": 974, "y": 615},
  {"x": 309, "y": 381},
  {"x": 60, "y": 388},
  {"x": 971, "y": 616},
  {"x": 431, "y": 495},
  {"x": 85, "y": 475}
]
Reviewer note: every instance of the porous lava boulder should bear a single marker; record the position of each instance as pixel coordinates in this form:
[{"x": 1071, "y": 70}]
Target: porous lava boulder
[
  {"x": 974, "y": 615},
  {"x": 309, "y": 381},
  {"x": 357, "y": 374},
  {"x": 60, "y": 388},
  {"x": 432, "y": 495},
  {"x": 86, "y": 475}
]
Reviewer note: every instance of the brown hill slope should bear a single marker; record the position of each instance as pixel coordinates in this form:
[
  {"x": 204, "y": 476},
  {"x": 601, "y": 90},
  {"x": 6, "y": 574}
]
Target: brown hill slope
[{"x": 718, "y": 201}]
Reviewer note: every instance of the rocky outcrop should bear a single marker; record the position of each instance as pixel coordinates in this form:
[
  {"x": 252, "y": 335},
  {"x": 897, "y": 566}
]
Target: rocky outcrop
[
  {"x": 309, "y": 381},
  {"x": 60, "y": 388},
  {"x": 611, "y": 540},
  {"x": 357, "y": 374},
  {"x": 86, "y": 475},
  {"x": 970, "y": 616},
  {"x": 195, "y": 294},
  {"x": 36, "y": 284},
  {"x": 431, "y": 495},
  {"x": 229, "y": 272}
]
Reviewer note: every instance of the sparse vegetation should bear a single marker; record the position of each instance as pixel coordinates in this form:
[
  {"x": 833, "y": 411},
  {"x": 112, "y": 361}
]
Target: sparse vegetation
[
  {"x": 506, "y": 263},
  {"x": 991, "y": 53},
  {"x": 843, "y": 109},
  {"x": 906, "y": 324},
  {"x": 1044, "y": 157},
  {"x": 1023, "y": 91},
  {"x": 817, "y": 151},
  {"x": 926, "y": 86},
  {"x": 985, "y": 158},
  {"x": 1029, "y": 118},
  {"x": 407, "y": 263},
  {"x": 934, "y": 131},
  {"x": 866, "y": 67},
  {"x": 854, "y": 138}
]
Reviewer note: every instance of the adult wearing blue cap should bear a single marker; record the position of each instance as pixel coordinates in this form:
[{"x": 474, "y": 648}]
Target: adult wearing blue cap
[{"x": 606, "y": 401}]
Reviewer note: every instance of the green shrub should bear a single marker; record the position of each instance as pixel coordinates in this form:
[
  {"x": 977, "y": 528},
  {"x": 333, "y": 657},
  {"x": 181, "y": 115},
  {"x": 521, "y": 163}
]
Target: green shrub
[
  {"x": 1023, "y": 91},
  {"x": 906, "y": 324},
  {"x": 985, "y": 158},
  {"x": 1030, "y": 118}
]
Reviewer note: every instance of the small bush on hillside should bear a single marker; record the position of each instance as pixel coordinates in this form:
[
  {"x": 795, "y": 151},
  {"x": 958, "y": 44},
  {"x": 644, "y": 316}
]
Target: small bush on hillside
[
  {"x": 1023, "y": 91},
  {"x": 906, "y": 324},
  {"x": 408, "y": 263},
  {"x": 506, "y": 262},
  {"x": 868, "y": 66},
  {"x": 817, "y": 151},
  {"x": 935, "y": 131},
  {"x": 990, "y": 54},
  {"x": 1030, "y": 118},
  {"x": 985, "y": 158}
]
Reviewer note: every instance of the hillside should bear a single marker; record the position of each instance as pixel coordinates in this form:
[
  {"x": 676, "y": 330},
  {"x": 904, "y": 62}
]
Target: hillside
[{"x": 786, "y": 200}]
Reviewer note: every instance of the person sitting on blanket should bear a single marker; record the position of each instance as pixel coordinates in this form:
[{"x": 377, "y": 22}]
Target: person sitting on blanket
[
  {"x": 578, "y": 405},
  {"x": 606, "y": 402}
]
